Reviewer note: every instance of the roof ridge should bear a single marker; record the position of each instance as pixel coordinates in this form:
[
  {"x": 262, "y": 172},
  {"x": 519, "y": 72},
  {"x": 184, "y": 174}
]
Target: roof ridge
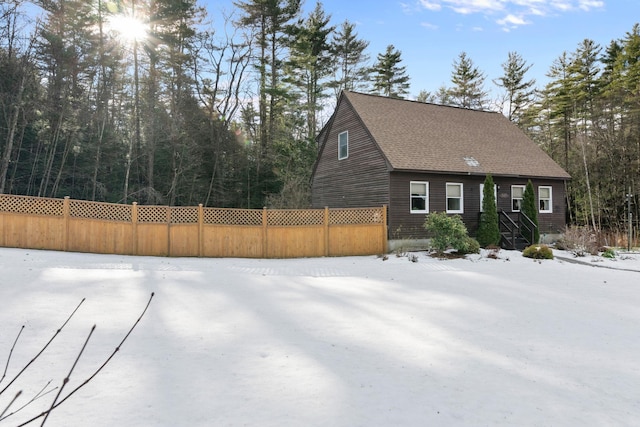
[{"x": 375, "y": 95}]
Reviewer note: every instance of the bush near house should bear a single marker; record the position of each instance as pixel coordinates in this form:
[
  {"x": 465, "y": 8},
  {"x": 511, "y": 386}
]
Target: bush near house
[
  {"x": 529, "y": 209},
  {"x": 538, "y": 252},
  {"x": 488, "y": 229},
  {"x": 449, "y": 232}
]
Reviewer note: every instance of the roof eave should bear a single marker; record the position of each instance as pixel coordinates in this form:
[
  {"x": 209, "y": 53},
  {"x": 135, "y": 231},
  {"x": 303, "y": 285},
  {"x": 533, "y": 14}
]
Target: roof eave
[{"x": 481, "y": 173}]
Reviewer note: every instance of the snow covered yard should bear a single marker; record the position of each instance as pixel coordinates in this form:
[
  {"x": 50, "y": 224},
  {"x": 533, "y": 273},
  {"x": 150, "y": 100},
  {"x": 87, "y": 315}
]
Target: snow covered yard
[{"x": 356, "y": 341}]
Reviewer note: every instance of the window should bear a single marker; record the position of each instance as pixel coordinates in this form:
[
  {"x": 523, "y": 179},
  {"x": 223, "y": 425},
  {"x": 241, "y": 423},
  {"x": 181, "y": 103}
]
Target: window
[
  {"x": 495, "y": 195},
  {"x": 517, "y": 192},
  {"x": 454, "y": 198},
  {"x": 544, "y": 199},
  {"x": 343, "y": 145},
  {"x": 419, "y": 197}
]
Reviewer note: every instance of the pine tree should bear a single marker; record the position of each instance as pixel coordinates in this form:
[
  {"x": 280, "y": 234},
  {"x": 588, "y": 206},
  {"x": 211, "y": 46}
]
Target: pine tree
[
  {"x": 389, "y": 78},
  {"x": 270, "y": 20},
  {"x": 557, "y": 107},
  {"x": 468, "y": 84},
  {"x": 351, "y": 72},
  {"x": 519, "y": 92},
  {"x": 489, "y": 229},
  {"x": 530, "y": 210},
  {"x": 309, "y": 64}
]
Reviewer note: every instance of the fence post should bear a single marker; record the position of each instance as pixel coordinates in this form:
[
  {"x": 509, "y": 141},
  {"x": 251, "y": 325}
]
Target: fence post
[
  {"x": 66, "y": 213},
  {"x": 326, "y": 231},
  {"x": 265, "y": 243},
  {"x": 385, "y": 230},
  {"x": 200, "y": 229},
  {"x": 168, "y": 219},
  {"x": 134, "y": 227}
]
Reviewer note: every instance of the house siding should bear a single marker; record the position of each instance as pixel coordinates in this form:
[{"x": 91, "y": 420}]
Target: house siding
[
  {"x": 360, "y": 180},
  {"x": 406, "y": 225}
]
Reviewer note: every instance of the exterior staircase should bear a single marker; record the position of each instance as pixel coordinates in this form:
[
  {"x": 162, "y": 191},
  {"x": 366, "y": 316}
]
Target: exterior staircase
[{"x": 517, "y": 231}]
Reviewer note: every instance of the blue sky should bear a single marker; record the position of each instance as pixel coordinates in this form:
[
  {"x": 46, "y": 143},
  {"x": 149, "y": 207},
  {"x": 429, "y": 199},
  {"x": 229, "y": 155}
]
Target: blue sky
[{"x": 431, "y": 33}]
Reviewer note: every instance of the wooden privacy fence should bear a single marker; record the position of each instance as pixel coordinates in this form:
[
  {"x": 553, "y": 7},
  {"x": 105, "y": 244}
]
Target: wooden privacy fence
[{"x": 82, "y": 226}]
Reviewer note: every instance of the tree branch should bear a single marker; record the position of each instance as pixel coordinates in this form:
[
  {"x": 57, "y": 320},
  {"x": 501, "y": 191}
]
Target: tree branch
[
  {"x": 43, "y": 348},
  {"x": 86, "y": 381}
]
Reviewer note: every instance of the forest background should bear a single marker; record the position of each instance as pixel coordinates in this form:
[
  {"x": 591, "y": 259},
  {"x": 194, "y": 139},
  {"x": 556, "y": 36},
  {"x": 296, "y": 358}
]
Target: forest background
[{"x": 151, "y": 101}]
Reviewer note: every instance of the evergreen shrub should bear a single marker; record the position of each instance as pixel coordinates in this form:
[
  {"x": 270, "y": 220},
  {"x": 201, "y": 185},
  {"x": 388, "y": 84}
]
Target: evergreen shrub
[
  {"x": 488, "y": 230},
  {"x": 529, "y": 209},
  {"x": 538, "y": 252},
  {"x": 609, "y": 253}
]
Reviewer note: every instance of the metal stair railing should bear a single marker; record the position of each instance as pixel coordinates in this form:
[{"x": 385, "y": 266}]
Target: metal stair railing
[{"x": 508, "y": 224}]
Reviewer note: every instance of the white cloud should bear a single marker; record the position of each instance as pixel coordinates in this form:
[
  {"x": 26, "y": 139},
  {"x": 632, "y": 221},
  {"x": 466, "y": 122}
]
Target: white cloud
[
  {"x": 563, "y": 6},
  {"x": 430, "y": 5},
  {"x": 512, "y": 20},
  {"x": 587, "y": 5},
  {"x": 511, "y": 13},
  {"x": 475, "y": 6},
  {"x": 429, "y": 25}
]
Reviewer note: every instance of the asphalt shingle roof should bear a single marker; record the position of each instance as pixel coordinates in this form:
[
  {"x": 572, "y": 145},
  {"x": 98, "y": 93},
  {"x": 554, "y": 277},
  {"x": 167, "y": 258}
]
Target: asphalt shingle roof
[{"x": 418, "y": 136}]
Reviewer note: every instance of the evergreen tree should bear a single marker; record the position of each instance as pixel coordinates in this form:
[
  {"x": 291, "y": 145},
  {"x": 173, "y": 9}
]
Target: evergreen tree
[
  {"x": 530, "y": 209},
  {"x": 489, "y": 229},
  {"x": 389, "y": 78},
  {"x": 557, "y": 110},
  {"x": 350, "y": 70},
  {"x": 586, "y": 86},
  {"x": 519, "y": 92},
  {"x": 309, "y": 65},
  {"x": 441, "y": 96},
  {"x": 270, "y": 20},
  {"x": 468, "y": 84}
]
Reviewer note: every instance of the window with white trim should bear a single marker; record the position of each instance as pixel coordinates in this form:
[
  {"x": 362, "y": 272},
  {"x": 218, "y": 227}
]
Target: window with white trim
[
  {"x": 343, "y": 145},
  {"x": 419, "y": 197},
  {"x": 517, "y": 195},
  {"x": 454, "y": 198},
  {"x": 544, "y": 199}
]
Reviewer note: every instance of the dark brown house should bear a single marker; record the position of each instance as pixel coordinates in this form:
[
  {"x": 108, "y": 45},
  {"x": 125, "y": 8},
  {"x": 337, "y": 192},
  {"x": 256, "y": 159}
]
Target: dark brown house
[{"x": 418, "y": 158}]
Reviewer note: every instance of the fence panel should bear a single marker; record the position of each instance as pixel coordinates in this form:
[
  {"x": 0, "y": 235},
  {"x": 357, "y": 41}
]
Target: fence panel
[
  {"x": 184, "y": 231},
  {"x": 295, "y": 233},
  {"x": 152, "y": 230},
  {"x": 295, "y": 242},
  {"x": 232, "y": 241},
  {"x": 103, "y": 228},
  {"x": 357, "y": 231},
  {"x": 82, "y": 226},
  {"x": 29, "y": 222}
]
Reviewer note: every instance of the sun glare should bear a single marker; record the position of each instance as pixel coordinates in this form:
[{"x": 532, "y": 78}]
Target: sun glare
[{"x": 128, "y": 28}]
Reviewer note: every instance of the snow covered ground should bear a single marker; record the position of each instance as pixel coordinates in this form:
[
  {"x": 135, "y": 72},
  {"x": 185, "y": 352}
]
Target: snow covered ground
[{"x": 355, "y": 341}]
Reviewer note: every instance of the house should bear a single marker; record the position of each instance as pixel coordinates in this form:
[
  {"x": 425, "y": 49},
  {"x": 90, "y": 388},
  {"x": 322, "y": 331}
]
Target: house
[{"x": 418, "y": 158}]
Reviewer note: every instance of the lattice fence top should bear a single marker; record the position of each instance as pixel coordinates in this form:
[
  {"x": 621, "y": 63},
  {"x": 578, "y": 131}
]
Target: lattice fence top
[
  {"x": 233, "y": 216},
  {"x": 31, "y": 205},
  {"x": 190, "y": 214},
  {"x": 295, "y": 217},
  {"x": 184, "y": 215},
  {"x": 95, "y": 210},
  {"x": 153, "y": 214},
  {"x": 356, "y": 216}
]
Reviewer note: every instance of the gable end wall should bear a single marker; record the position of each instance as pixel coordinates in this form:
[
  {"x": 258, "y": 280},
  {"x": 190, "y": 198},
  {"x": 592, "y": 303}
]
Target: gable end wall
[{"x": 362, "y": 179}]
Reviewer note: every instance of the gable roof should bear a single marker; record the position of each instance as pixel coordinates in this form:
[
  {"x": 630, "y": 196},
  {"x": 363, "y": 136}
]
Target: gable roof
[{"x": 416, "y": 136}]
